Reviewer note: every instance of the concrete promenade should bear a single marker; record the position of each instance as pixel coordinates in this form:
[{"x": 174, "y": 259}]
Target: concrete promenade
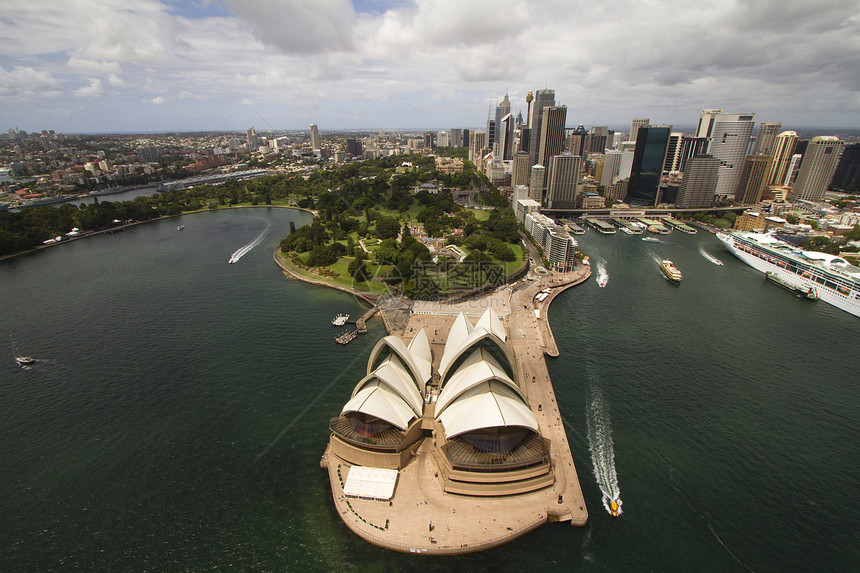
[{"x": 422, "y": 517}]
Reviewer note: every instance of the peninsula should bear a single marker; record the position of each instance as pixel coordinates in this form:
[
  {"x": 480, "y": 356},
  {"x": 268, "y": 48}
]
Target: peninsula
[{"x": 453, "y": 441}]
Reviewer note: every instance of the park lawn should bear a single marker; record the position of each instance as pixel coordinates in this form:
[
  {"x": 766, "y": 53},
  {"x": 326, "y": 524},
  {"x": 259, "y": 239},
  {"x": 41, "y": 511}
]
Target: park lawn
[
  {"x": 480, "y": 214},
  {"x": 341, "y": 267}
]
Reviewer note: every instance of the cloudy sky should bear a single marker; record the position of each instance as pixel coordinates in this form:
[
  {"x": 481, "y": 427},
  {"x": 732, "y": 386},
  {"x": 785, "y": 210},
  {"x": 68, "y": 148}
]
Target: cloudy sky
[{"x": 180, "y": 65}]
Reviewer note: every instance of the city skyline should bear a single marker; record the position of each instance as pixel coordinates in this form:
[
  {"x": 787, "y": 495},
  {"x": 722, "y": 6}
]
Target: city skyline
[{"x": 159, "y": 65}]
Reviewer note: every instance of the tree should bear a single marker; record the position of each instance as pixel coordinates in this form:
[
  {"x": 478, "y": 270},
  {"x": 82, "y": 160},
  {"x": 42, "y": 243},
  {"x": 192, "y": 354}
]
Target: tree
[{"x": 387, "y": 227}]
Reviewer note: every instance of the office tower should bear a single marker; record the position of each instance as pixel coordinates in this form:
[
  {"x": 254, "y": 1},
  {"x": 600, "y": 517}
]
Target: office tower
[
  {"x": 517, "y": 193},
  {"x": 520, "y": 169},
  {"x": 542, "y": 99},
  {"x": 730, "y": 139},
  {"x": 764, "y": 141},
  {"x": 700, "y": 180},
  {"x": 635, "y": 125},
  {"x": 316, "y": 144},
  {"x": 793, "y": 168},
  {"x": 648, "y": 159},
  {"x": 503, "y": 109},
  {"x": 536, "y": 179},
  {"x": 491, "y": 133},
  {"x": 691, "y": 147},
  {"x": 576, "y": 141},
  {"x": 428, "y": 141},
  {"x": 706, "y": 122},
  {"x": 505, "y": 130},
  {"x": 753, "y": 178},
  {"x": 455, "y": 137},
  {"x": 597, "y": 139},
  {"x": 817, "y": 168},
  {"x": 465, "y": 138},
  {"x": 251, "y": 138},
  {"x": 847, "y": 176},
  {"x": 562, "y": 177},
  {"x": 477, "y": 142},
  {"x": 519, "y": 120},
  {"x": 551, "y": 133},
  {"x": 673, "y": 153},
  {"x": 611, "y": 165},
  {"x": 783, "y": 148},
  {"x": 442, "y": 139},
  {"x": 353, "y": 147},
  {"x": 626, "y": 166}
]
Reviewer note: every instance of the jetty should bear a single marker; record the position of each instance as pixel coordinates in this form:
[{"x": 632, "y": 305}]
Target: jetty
[
  {"x": 600, "y": 225},
  {"x": 681, "y": 226}
]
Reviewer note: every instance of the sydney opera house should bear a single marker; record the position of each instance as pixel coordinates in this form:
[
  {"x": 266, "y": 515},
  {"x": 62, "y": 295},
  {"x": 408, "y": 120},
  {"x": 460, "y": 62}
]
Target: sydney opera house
[{"x": 466, "y": 409}]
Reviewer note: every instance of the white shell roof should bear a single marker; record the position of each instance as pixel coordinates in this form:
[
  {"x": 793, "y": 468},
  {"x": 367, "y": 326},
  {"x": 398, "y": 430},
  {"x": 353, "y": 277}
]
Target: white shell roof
[
  {"x": 489, "y": 404},
  {"x": 453, "y": 349},
  {"x": 392, "y": 373},
  {"x": 477, "y": 368},
  {"x": 490, "y": 322},
  {"x": 420, "y": 347},
  {"x": 378, "y": 399},
  {"x": 417, "y": 364}
]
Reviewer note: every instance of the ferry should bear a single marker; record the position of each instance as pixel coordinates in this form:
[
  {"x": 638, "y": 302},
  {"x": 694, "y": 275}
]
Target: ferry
[
  {"x": 651, "y": 240},
  {"x": 809, "y": 293},
  {"x": 833, "y": 279},
  {"x": 670, "y": 270},
  {"x": 626, "y": 231}
]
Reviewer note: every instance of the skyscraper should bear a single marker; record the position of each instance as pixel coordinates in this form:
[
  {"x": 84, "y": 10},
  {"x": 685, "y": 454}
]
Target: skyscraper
[
  {"x": 251, "y": 138},
  {"x": 520, "y": 169},
  {"x": 503, "y": 109},
  {"x": 793, "y": 168},
  {"x": 562, "y": 178},
  {"x": 753, "y": 178},
  {"x": 576, "y": 140},
  {"x": 730, "y": 139},
  {"x": 598, "y": 138},
  {"x": 648, "y": 159},
  {"x": 635, "y": 125},
  {"x": 611, "y": 165},
  {"x": 847, "y": 176},
  {"x": 700, "y": 180},
  {"x": 536, "y": 179},
  {"x": 551, "y": 133},
  {"x": 316, "y": 144},
  {"x": 353, "y": 147},
  {"x": 818, "y": 167},
  {"x": 706, "y": 122},
  {"x": 783, "y": 148},
  {"x": 542, "y": 99},
  {"x": 505, "y": 130},
  {"x": 764, "y": 141},
  {"x": 455, "y": 137},
  {"x": 673, "y": 152}
]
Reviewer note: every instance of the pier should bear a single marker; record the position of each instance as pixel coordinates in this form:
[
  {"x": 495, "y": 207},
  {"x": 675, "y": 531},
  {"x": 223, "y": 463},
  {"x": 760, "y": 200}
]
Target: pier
[
  {"x": 683, "y": 227},
  {"x": 601, "y": 226}
]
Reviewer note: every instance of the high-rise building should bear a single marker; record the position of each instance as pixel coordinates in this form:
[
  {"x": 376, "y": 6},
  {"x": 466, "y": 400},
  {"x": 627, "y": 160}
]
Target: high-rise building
[
  {"x": 353, "y": 147},
  {"x": 730, "y": 140},
  {"x": 542, "y": 99},
  {"x": 442, "y": 139},
  {"x": 562, "y": 177},
  {"x": 793, "y": 168},
  {"x": 648, "y": 159},
  {"x": 316, "y": 143},
  {"x": 428, "y": 141},
  {"x": 551, "y": 133},
  {"x": 764, "y": 141},
  {"x": 536, "y": 179},
  {"x": 783, "y": 148},
  {"x": 466, "y": 138},
  {"x": 626, "y": 167},
  {"x": 520, "y": 169},
  {"x": 673, "y": 152},
  {"x": 635, "y": 125},
  {"x": 847, "y": 176},
  {"x": 700, "y": 180},
  {"x": 455, "y": 137},
  {"x": 251, "y": 138},
  {"x": 503, "y": 109},
  {"x": 477, "y": 143},
  {"x": 491, "y": 132},
  {"x": 611, "y": 165},
  {"x": 691, "y": 147},
  {"x": 505, "y": 130},
  {"x": 598, "y": 138},
  {"x": 753, "y": 178},
  {"x": 818, "y": 167},
  {"x": 576, "y": 140},
  {"x": 706, "y": 122}
]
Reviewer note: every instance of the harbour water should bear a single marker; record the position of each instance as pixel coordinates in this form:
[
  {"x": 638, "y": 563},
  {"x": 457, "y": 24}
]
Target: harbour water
[{"x": 179, "y": 408}]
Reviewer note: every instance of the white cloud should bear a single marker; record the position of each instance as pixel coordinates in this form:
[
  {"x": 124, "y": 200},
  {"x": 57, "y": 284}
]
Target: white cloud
[
  {"x": 85, "y": 66},
  {"x": 94, "y": 89},
  {"x": 116, "y": 81},
  {"x": 24, "y": 81},
  {"x": 158, "y": 100}
]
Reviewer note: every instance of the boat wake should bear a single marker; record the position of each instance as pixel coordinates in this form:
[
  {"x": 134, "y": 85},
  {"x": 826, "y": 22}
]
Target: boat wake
[
  {"x": 242, "y": 251},
  {"x": 709, "y": 256},
  {"x": 602, "y": 275},
  {"x": 603, "y": 451}
]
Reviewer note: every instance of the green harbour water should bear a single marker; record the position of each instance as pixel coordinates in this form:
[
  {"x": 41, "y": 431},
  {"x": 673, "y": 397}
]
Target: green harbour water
[{"x": 178, "y": 410}]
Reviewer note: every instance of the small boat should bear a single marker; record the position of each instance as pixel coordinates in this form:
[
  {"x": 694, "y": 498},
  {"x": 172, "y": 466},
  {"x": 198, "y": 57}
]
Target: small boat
[
  {"x": 180, "y": 227},
  {"x": 797, "y": 289},
  {"x": 651, "y": 240},
  {"x": 601, "y": 281},
  {"x": 613, "y": 508},
  {"x": 231, "y": 261},
  {"x": 626, "y": 231},
  {"x": 670, "y": 270},
  {"x": 20, "y": 359}
]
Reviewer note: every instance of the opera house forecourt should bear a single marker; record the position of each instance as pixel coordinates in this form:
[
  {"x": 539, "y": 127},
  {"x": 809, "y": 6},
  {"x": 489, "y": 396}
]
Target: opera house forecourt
[{"x": 452, "y": 442}]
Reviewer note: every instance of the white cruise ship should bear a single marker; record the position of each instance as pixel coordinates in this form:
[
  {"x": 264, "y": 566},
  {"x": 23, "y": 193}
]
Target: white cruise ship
[{"x": 831, "y": 278}]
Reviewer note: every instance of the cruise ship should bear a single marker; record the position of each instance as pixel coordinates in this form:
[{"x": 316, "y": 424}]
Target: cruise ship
[{"x": 830, "y": 278}]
